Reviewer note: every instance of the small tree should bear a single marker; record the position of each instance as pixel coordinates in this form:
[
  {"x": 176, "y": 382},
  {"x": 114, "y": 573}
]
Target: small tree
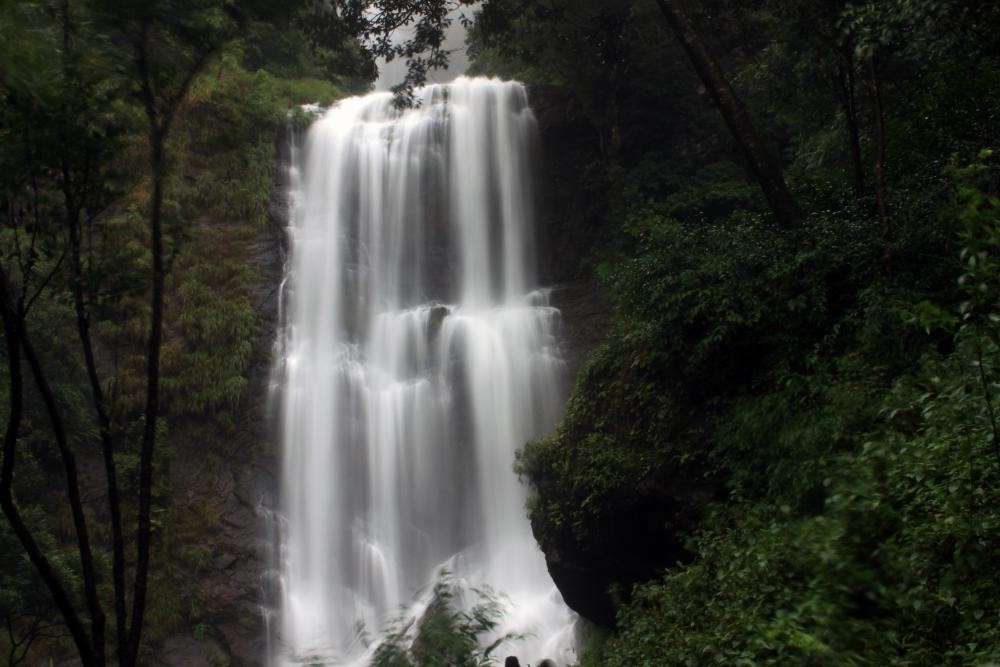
[{"x": 445, "y": 635}]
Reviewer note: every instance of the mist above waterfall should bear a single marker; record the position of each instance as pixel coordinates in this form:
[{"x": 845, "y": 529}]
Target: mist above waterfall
[{"x": 419, "y": 353}]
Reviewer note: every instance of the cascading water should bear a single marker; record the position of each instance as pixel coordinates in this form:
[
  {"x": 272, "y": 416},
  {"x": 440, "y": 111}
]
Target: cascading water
[{"x": 417, "y": 356}]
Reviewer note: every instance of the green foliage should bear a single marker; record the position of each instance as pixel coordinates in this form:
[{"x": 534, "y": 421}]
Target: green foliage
[
  {"x": 72, "y": 125},
  {"x": 672, "y": 285},
  {"x": 697, "y": 383},
  {"x": 860, "y": 529},
  {"x": 224, "y": 149},
  {"x": 200, "y": 631},
  {"x": 619, "y": 426},
  {"x": 444, "y": 635},
  {"x": 28, "y": 612},
  {"x": 613, "y": 58},
  {"x": 898, "y": 568}
]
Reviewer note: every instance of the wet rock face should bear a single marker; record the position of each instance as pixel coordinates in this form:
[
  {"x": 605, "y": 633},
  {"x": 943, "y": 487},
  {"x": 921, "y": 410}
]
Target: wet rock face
[
  {"x": 585, "y": 319},
  {"x": 642, "y": 536},
  {"x": 192, "y": 652},
  {"x": 225, "y": 485},
  {"x": 249, "y": 480}
]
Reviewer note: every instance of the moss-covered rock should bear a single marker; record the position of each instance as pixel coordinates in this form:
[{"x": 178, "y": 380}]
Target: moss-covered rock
[{"x": 621, "y": 482}]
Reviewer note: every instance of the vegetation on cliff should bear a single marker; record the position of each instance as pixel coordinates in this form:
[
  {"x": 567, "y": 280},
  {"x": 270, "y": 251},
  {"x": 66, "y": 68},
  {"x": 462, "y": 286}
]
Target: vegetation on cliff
[{"x": 785, "y": 452}]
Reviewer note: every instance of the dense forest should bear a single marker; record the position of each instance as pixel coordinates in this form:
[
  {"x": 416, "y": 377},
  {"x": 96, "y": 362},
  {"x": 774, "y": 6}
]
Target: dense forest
[{"x": 784, "y": 452}]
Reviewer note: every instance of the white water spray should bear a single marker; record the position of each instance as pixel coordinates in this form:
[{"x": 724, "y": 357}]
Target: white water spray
[{"x": 418, "y": 355}]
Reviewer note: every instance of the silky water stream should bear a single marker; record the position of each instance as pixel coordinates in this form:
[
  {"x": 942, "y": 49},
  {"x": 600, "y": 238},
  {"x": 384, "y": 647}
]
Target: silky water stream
[{"x": 417, "y": 354}]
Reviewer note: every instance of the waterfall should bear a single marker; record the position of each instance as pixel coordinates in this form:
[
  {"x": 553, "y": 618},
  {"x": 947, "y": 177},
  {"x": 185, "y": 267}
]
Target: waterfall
[{"x": 418, "y": 354}]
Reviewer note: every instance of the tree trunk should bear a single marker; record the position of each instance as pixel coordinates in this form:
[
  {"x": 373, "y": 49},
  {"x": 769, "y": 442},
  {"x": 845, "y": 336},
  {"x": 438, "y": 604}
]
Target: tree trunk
[
  {"x": 763, "y": 165},
  {"x": 160, "y": 111},
  {"x": 74, "y": 201},
  {"x": 13, "y": 334},
  {"x": 97, "y": 619},
  {"x": 880, "y": 189},
  {"x": 848, "y": 99},
  {"x": 104, "y": 426},
  {"x": 144, "y": 525}
]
